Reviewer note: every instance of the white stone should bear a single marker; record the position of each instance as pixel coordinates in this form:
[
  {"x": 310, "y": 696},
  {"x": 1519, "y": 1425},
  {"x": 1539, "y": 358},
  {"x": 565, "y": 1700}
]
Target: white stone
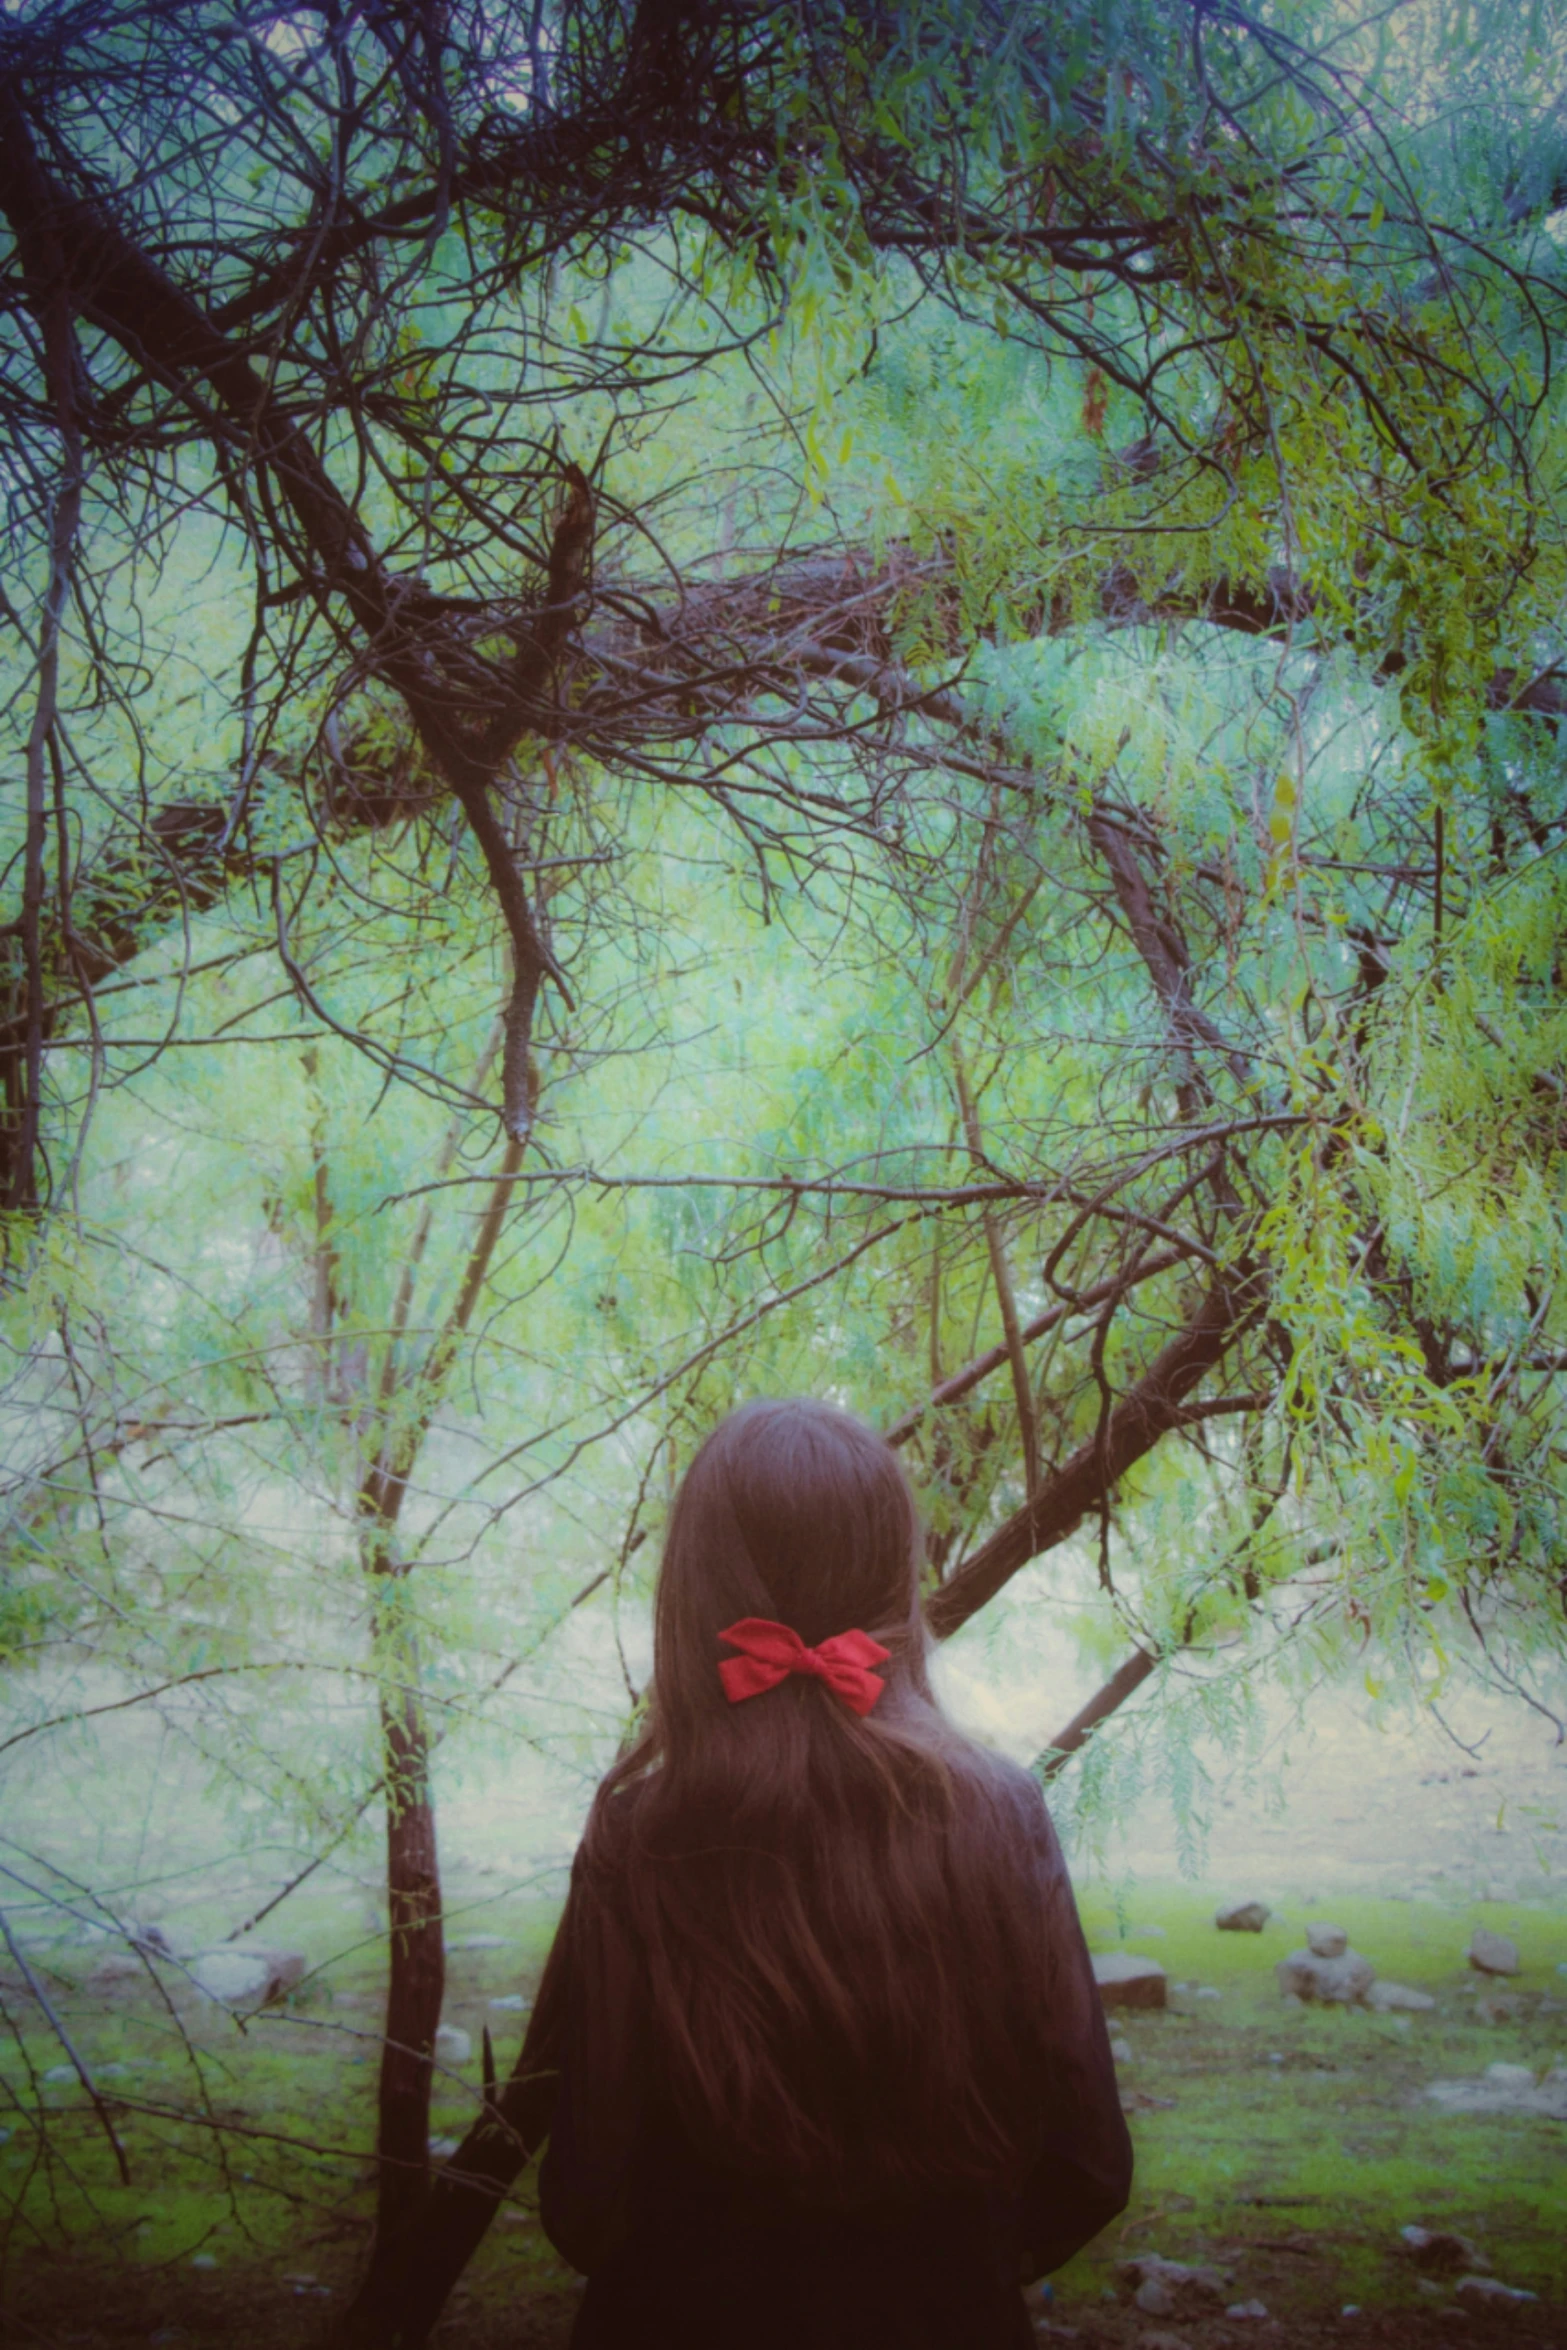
[
  {"x": 481, "y": 1942},
  {"x": 1517, "y": 2092},
  {"x": 1389, "y": 1998},
  {"x": 1325, "y": 1941},
  {"x": 249, "y": 1977},
  {"x": 235, "y": 1978},
  {"x": 511, "y": 2003},
  {"x": 452, "y": 2045}
]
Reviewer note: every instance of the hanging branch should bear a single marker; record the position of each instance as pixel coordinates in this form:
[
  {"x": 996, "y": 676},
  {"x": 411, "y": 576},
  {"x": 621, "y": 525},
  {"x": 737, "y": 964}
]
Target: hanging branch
[{"x": 469, "y": 713}]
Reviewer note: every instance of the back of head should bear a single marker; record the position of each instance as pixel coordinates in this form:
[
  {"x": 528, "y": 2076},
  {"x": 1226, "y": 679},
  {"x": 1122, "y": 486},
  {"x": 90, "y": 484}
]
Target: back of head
[{"x": 846, "y": 1953}]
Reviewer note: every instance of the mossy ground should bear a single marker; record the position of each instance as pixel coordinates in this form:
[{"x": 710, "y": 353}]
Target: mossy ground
[{"x": 1287, "y": 2145}]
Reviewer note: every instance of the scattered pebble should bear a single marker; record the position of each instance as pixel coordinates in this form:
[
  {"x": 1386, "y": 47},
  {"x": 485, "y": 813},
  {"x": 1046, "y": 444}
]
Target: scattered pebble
[
  {"x": 1246, "y": 2309},
  {"x": 1243, "y": 1917},
  {"x": 1121, "y": 2050},
  {"x": 511, "y": 2003},
  {"x": 452, "y": 2044},
  {"x": 1325, "y": 1941},
  {"x": 1209, "y": 1991},
  {"x": 203, "y": 2260},
  {"x": 442, "y": 2149},
  {"x": 481, "y": 1942}
]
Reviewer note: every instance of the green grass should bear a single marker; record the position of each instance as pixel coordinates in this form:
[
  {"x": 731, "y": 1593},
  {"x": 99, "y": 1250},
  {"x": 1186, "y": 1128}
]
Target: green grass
[
  {"x": 1295, "y": 2145},
  {"x": 1310, "y": 2124}
]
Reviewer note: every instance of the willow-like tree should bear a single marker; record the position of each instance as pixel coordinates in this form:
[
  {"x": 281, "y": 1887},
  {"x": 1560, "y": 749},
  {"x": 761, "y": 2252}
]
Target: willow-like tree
[{"x": 1129, "y": 594}]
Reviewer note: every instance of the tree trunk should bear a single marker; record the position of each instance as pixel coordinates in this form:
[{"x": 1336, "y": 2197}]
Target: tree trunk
[{"x": 416, "y": 1949}]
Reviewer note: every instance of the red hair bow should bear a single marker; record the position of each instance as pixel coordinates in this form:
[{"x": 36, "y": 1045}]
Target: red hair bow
[{"x": 771, "y": 1652}]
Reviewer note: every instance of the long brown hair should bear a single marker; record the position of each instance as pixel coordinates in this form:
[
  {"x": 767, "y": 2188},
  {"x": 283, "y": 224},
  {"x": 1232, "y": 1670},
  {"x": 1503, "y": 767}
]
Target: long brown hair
[{"x": 847, "y": 1951}]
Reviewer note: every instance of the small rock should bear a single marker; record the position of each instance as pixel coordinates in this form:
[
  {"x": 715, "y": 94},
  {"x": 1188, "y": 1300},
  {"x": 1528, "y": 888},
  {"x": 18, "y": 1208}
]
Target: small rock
[
  {"x": 1209, "y": 1991},
  {"x": 481, "y": 1942},
  {"x": 1160, "y": 2338},
  {"x": 1169, "y": 2288},
  {"x": 1398, "y": 1998},
  {"x": 1492, "y": 1954},
  {"x": 1506, "y": 2088},
  {"x": 452, "y": 2044},
  {"x": 1246, "y": 2309},
  {"x": 511, "y": 2003},
  {"x": 442, "y": 2149},
  {"x": 247, "y": 1978},
  {"x": 1489, "y": 2293},
  {"x": 203, "y": 2260},
  {"x": 1120, "y": 2050},
  {"x": 1499, "y": 2007},
  {"x": 1441, "y": 2252},
  {"x": 1325, "y": 1941},
  {"x": 1350, "y": 2309},
  {"x": 1243, "y": 1917},
  {"x": 58, "y": 2073},
  {"x": 1126, "y": 1980},
  {"x": 1336, "y": 1982}
]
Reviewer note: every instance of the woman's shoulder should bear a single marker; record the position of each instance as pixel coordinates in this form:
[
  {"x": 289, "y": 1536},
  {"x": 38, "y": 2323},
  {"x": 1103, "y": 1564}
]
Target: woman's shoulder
[{"x": 1015, "y": 1802}]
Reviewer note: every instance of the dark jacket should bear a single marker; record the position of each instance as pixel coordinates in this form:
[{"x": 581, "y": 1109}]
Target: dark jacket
[{"x": 679, "y": 2252}]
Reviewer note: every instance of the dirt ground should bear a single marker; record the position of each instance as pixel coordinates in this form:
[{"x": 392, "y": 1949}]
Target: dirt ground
[{"x": 181, "y": 2312}]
